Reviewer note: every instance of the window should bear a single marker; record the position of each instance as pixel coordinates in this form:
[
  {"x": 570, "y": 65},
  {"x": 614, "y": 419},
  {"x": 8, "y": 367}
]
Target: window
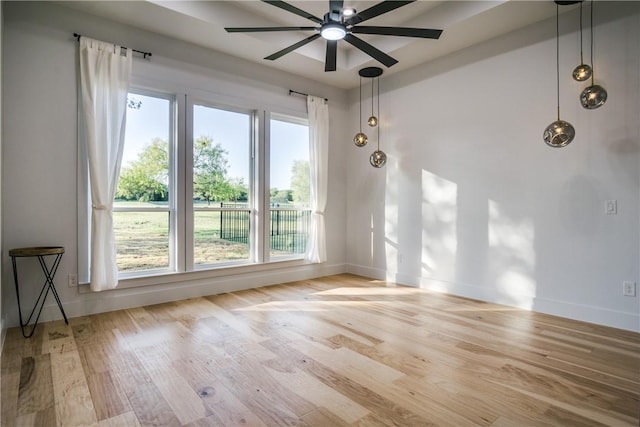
[
  {"x": 144, "y": 201},
  {"x": 289, "y": 180},
  {"x": 221, "y": 171},
  {"x": 194, "y": 190}
]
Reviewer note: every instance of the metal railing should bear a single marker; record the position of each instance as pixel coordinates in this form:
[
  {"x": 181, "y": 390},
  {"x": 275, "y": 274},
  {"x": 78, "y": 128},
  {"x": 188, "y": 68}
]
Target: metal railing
[
  {"x": 288, "y": 226},
  {"x": 289, "y": 229}
]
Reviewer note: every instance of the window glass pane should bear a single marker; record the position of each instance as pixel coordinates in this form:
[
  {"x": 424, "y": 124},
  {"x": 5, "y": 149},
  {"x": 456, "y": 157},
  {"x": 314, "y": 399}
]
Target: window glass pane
[
  {"x": 289, "y": 178},
  {"x": 221, "y": 177},
  {"x": 142, "y": 239},
  {"x": 144, "y": 173},
  {"x": 220, "y": 236}
]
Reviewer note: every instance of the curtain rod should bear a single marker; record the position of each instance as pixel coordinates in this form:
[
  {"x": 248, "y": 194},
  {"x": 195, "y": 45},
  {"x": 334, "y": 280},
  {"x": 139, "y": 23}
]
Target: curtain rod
[
  {"x": 303, "y": 94},
  {"x": 144, "y": 54}
]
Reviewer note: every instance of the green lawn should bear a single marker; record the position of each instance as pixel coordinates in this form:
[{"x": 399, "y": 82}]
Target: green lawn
[{"x": 142, "y": 238}]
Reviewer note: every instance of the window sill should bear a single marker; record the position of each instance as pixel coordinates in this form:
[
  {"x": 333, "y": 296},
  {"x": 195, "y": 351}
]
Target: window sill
[{"x": 164, "y": 278}]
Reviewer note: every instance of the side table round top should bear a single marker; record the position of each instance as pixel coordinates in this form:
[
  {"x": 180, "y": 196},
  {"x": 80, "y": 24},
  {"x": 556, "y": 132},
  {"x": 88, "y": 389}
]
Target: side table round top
[{"x": 36, "y": 251}]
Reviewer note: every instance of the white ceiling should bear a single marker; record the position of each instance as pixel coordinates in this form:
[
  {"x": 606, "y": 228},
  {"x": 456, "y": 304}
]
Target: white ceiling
[{"x": 465, "y": 23}]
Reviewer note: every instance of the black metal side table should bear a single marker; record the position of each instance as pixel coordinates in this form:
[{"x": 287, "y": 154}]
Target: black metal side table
[{"x": 49, "y": 272}]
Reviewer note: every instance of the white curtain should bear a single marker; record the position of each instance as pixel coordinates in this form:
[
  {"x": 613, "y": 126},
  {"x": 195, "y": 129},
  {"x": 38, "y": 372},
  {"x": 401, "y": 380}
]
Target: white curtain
[
  {"x": 318, "y": 111},
  {"x": 105, "y": 75}
]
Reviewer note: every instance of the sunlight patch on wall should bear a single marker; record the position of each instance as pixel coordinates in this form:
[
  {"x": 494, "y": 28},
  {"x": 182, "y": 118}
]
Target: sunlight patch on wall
[
  {"x": 391, "y": 235},
  {"x": 512, "y": 256},
  {"x": 439, "y": 216}
]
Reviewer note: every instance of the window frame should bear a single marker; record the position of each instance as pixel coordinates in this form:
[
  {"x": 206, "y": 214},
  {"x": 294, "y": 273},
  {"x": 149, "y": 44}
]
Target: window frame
[
  {"x": 189, "y": 237},
  {"x": 293, "y": 120},
  {"x": 171, "y": 207}
]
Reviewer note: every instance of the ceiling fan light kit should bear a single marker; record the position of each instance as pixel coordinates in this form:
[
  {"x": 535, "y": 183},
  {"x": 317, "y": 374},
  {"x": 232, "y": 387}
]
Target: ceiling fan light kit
[
  {"x": 332, "y": 31},
  {"x": 341, "y": 23}
]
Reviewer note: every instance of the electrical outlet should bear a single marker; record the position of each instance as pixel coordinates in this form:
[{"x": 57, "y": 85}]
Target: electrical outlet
[
  {"x": 611, "y": 207},
  {"x": 73, "y": 280},
  {"x": 629, "y": 289}
]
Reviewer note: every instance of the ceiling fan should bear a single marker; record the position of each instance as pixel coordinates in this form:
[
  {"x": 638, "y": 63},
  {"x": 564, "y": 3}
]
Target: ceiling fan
[{"x": 342, "y": 23}]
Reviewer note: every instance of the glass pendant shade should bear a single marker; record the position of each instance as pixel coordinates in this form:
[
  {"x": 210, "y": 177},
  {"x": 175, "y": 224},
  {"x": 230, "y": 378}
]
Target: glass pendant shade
[
  {"x": 559, "y": 134},
  {"x": 593, "y": 96},
  {"x": 378, "y": 159},
  {"x": 582, "y": 72},
  {"x": 373, "y": 121},
  {"x": 360, "y": 139}
]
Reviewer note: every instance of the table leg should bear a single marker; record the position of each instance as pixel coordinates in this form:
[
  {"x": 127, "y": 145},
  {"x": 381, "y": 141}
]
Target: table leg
[{"x": 49, "y": 274}]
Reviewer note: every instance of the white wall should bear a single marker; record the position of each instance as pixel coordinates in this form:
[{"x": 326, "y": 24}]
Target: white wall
[
  {"x": 39, "y": 163},
  {"x": 472, "y": 202}
]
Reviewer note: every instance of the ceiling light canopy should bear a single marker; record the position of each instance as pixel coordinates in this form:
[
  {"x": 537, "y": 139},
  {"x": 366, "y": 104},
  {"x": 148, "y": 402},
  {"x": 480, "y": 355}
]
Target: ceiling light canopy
[{"x": 333, "y": 31}]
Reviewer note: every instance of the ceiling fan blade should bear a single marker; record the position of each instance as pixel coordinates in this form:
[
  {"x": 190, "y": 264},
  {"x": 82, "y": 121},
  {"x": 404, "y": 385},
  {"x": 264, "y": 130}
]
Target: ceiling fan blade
[
  {"x": 332, "y": 54},
  {"x": 378, "y": 9},
  {"x": 291, "y": 48},
  {"x": 424, "y": 33},
  {"x": 264, "y": 29},
  {"x": 294, "y": 10},
  {"x": 373, "y": 52}
]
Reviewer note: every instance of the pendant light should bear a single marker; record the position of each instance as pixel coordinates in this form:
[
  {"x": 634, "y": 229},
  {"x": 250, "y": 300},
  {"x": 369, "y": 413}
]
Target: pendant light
[
  {"x": 559, "y": 133},
  {"x": 593, "y": 96},
  {"x": 373, "y": 120},
  {"x": 360, "y": 139},
  {"x": 378, "y": 158},
  {"x": 583, "y": 71}
]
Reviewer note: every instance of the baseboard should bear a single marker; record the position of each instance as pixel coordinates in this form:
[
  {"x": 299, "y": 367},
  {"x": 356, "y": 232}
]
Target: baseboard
[
  {"x": 585, "y": 313},
  {"x": 102, "y": 302},
  {"x": 3, "y": 335}
]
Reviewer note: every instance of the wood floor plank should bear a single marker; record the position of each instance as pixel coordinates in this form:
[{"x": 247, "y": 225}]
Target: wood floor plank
[
  {"x": 332, "y": 351},
  {"x": 36, "y": 385},
  {"x": 73, "y": 403},
  {"x": 108, "y": 396},
  {"x": 318, "y": 393},
  {"x": 226, "y": 409},
  {"x": 128, "y": 419}
]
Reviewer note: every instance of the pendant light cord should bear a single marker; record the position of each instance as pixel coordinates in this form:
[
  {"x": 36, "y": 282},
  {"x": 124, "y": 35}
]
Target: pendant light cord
[
  {"x": 593, "y": 66},
  {"x": 558, "y": 59},
  {"x": 372, "y": 82},
  {"x": 581, "y": 55},
  {"x": 360, "y": 104},
  {"x": 379, "y": 122}
]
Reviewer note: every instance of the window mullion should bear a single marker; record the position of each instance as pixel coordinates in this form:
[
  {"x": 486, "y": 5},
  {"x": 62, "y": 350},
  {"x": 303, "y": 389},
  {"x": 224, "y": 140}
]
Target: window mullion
[
  {"x": 187, "y": 198},
  {"x": 181, "y": 219},
  {"x": 261, "y": 189}
]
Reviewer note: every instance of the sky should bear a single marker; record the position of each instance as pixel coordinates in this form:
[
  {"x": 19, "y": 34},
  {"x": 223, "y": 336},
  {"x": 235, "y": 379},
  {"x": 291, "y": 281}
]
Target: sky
[{"x": 289, "y": 141}]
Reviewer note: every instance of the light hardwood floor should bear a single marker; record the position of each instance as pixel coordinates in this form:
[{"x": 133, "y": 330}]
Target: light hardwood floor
[{"x": 335, "y": 351}]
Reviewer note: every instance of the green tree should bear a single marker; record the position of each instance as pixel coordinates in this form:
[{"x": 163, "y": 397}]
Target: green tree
[
  {"x": 210, "y": 171},
  {"x": 146, "y": 178},
  {"x": 239, "y": 190},
  {"x": 300, "y": 181},
  {"x": 281, "y": 196}
]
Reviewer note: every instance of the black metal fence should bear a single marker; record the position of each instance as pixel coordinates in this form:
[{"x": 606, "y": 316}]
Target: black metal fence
[
  {"x": 289, "y": 227},
  {"x": 289, "y": 230}
]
